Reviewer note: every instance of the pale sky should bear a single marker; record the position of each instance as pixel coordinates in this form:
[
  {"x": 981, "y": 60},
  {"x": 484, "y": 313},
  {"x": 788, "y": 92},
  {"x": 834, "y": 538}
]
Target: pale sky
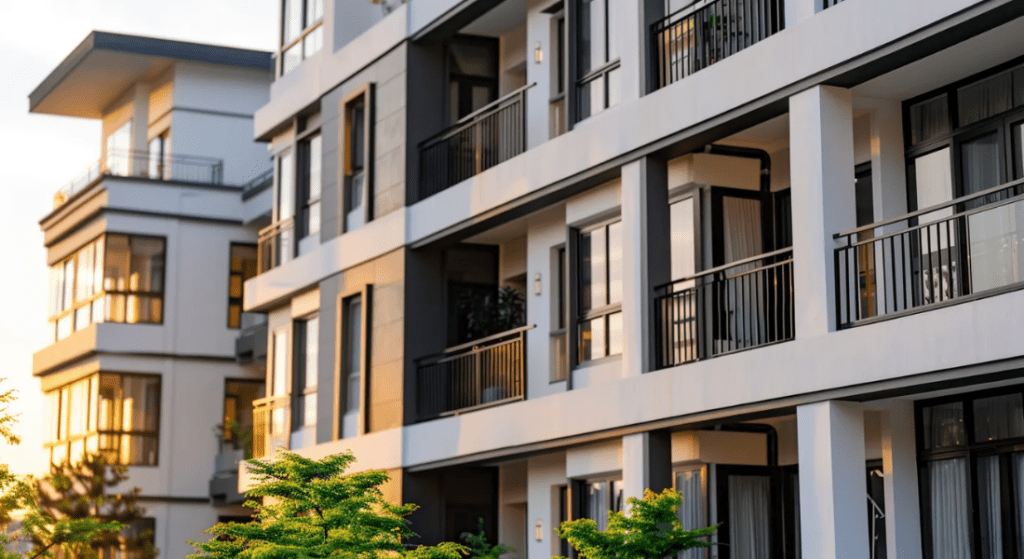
[{"x": 40, "y": 153}]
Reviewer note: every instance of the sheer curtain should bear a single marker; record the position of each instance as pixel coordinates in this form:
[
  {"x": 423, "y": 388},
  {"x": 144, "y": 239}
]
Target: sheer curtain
[
  {"x": 1018, "y": 498},
  {"x": 998, "y": 417},
  {"x": 949, "y": 508},
  {"x": 989, "y": 505},
  {"x": 944, "y": 426},
  {"x": 749, "y": 517},
  {"x": 742, "y": 231},
  {"x": 690, "y": 485}
]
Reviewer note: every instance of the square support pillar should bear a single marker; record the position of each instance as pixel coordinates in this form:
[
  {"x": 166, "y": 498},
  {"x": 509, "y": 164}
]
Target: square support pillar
[
  {"x": 899, "y": 466},
  {"x": 833, "y": 487},
  {"x": 824, "y": 202},
  {"x": 645, "y": 257},
  {"x": 646, "y": 463},
  {"x": 888, "y": 193}
]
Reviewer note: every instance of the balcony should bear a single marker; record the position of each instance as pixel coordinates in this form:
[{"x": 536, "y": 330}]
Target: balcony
[
  {"x": 739, "y": 306},
  {"x": 182, "y": 168},
  {"x": 950, "y": 253},
  {"x": 276, "y": 244},
  {"x": 491, "y": 135},
  {"x": 271, "y": 425},
  {"x": 482, "y": 373},
  {"x": 696, "y": 37}
]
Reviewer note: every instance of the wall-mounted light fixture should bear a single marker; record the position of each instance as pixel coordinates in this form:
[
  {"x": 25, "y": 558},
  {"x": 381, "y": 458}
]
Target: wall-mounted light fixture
[
  {"x": 538, "y": 53},
  {"x": 539, "y": 532},
  {"x": 536, "y": 284}
]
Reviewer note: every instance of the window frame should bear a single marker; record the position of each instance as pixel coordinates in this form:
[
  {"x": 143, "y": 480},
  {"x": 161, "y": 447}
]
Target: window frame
[
  {"x": 308, "y": 28},
  {"x": 576, "y": 315},
  {"x": 304, "y": 200},
  {"x": 970, "y": 452},
  {"x": 91, "y": 408},
  {"x": 365, "y": 294},
  {"x": 72, "y": 307},
  {"x": 366, "y": 94},
  {"x": 300, "y": 387},
  {"x": 600, "y": 72},
  {"x": 559, "y": 286},
  {"x": 231, "y": 274}
]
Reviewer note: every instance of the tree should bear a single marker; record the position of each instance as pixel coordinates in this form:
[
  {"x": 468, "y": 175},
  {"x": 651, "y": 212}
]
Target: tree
[
  {"x": 18, "y": 497},
  {"x": 311, "y": 509},
  {"x": 79, "y": 491},
  {"x": 651, "y": 531}
]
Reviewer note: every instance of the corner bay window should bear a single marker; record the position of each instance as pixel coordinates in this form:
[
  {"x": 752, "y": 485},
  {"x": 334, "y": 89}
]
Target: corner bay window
[
  {"x": 115, "y": 278},
  {"x": 969, "y": 449},
  {"x": 302, "y": 34},
  {"x": 599, "y": 322},
  {"x": 116, "y": 415}
]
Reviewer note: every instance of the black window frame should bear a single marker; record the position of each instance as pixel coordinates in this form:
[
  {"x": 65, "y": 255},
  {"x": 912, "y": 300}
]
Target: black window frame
[
  {"x": 577, "y": 315},
  {"x": 308, "y": 27},
  {"x": 970, "y": 451},
  {"x": 241, "y": 274},
  {"x": 364, "y": 95},
  {"x": 601, "y": 72},
  {"x": 306, "y": 200},
  {"x": 300, "y": 388}
]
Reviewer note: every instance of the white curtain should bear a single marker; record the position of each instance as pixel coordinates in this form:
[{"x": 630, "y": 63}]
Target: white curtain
[
  {"x": 1018, "y": 494},
  {"x": 749, "y": 517},
  {"x": 690, "y": 485},
  {"x": 944, "y": 426},
  {"x": 742, "y": 230},
  {"x": 998, "y": 417},
  {"x": 989, "y": 505},
  {"x": 949, "y": 509}
]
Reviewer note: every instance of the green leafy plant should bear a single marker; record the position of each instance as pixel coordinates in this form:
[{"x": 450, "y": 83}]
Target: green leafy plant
[
  {"x": 240, "y": 439},
  {"x": 52, "y": 537},
  {"x": 480, "y": 547},
  {"x": 485, "y": 312},
  {"x": 308, "y": 508},
  {"x": 651, "y": 531}
]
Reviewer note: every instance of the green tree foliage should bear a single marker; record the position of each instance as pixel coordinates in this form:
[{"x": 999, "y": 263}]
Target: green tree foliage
[
  {"x": 77, "y": 492},
  {"x": 18, "y": 498},
  {"x": 652, "y": 531},
  {"x": 480, "y": 548},
  {"x": 311, "y": 509}
]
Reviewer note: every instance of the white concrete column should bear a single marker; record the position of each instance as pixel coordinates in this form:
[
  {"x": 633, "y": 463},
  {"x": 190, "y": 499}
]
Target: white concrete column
[
  {"x": 899, "y": 465},
  {"x": 645, "y": 257},
  {"x": 889, "y": 194},
  {"x": 799, "y": 10},
  {"x": 822, "y": 178},
  {"x": 140, "y": 130},
  {"x": 646, "y": 463},
  {"x": 833, "y": 489}
]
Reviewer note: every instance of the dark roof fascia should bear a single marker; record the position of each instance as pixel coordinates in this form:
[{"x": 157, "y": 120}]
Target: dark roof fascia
[{"x": 134, "y": 44}]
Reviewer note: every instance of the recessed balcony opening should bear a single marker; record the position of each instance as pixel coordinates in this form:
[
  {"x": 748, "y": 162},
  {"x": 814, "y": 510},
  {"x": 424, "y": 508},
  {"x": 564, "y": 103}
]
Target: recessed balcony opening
[
  {"x": 479, "y": 356},
  {"x": 730, "y": 244},
  {"x": 485, "y": 83}
]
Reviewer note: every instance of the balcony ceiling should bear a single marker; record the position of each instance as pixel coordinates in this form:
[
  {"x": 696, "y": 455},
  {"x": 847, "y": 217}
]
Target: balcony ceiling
[
  {"x": 505, "y": 17},
  {"x": 105, "y": 65}
]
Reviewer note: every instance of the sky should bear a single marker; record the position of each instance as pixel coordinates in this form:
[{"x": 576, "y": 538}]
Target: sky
[{"x": 40, "y": 153}]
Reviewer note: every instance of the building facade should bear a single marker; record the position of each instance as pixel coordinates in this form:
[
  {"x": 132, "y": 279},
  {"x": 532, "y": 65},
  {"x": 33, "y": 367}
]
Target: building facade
[
  {"x": 534, "y": 256},
  {"x": 148, "y": 253}
]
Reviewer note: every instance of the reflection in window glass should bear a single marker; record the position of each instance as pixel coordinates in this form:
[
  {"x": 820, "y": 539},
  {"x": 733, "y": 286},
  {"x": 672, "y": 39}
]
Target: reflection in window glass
[
  {"x": 279, "y": 367},
  {"x": 944, "y": 425},
  {"x": 929, "y": 119},
  {"x": 998, "y": 417},
  {"x": 983, "y": 99},
  {"x": 353, "y": 309}
]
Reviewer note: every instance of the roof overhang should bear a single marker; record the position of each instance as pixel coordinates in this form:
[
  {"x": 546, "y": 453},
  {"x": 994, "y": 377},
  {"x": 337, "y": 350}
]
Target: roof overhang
[{"x": 104, "y": 65}]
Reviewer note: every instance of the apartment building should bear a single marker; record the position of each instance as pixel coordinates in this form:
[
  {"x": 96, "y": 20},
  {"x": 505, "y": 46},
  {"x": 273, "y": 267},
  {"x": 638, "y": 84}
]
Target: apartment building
[
  {"x": 534, "y": 256},
  {"x": 148, "y": 251}
]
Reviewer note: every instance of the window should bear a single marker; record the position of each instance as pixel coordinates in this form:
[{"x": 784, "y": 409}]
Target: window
[
  {"x": 242, "y": 266},
  {"x": 597, "y": 58},
  {"x": 278, "y": 424},
  {"x": 113, "y": 414},
  {"x": 969, "y": 446},
  {"x": 597, "y": 498},
  {"x": 352, "y": 351},
  {"x": 600, "y": 292},
  {"x": 310, "y": 177},
  {"x": 307, "y": 351},
  {"x": 559, "y": 338},
  {"x": 115, "y": 278},
  {"x": 279, "y": 242},
  {"x": 691, "y": 484},
  {"x": 160, "y": 156},
  {"x": 556, "y": 112},
  {"x": 119, "y": 151},
  {"x": 302, "y": 34},
  {"x": 358, "y": 159},
  {"x": 239, "y": 396}
]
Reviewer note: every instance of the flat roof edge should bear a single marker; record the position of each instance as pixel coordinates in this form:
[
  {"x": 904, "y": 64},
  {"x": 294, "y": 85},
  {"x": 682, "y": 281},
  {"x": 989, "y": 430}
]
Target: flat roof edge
[{"x": 152, "y": 46}]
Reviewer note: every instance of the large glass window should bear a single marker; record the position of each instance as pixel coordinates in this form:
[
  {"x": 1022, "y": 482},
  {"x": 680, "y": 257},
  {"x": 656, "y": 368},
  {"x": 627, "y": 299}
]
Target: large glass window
[
  {"x": 302, "y": 34},
  {"x": 600, "y": 292},
  {"x": 311, "y": 177},
  {"x": 970, "y": 445},
  {"x": 113, "y": 414},
  {"x": 598, "y": 498},
  {"x": 119, "y": 151},
  {"x": 307, "y": 351},
  {"x": 279, "y": 355},
  {"x": 358, "y": 159},
  {"x": 242, "y": 266},
  {"x": 353, "y": 351},
  {"x": 692, "y": 512},
  {"x": 115, "y": 278},
  {"x": 160, "y": 156},
  {"x": 597, "y": 58},
  {"x": 239, "y": 396}
]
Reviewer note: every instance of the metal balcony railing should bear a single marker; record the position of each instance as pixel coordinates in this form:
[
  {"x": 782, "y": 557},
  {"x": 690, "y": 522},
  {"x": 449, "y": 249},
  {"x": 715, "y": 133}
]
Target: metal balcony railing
[
  {"x": 738, "y": 306},
  {"x": 491, "y": 135},
  {"x": 184, "y": 168},
  {"x": 829, "y": 3},
  {"x": 957, "y": 251},
  {"x": 271, "y": 425},
  {"x": 276, "y": 244},
  {"x": 481, "y": 373},
  {"x": 700, "y": 35}
]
